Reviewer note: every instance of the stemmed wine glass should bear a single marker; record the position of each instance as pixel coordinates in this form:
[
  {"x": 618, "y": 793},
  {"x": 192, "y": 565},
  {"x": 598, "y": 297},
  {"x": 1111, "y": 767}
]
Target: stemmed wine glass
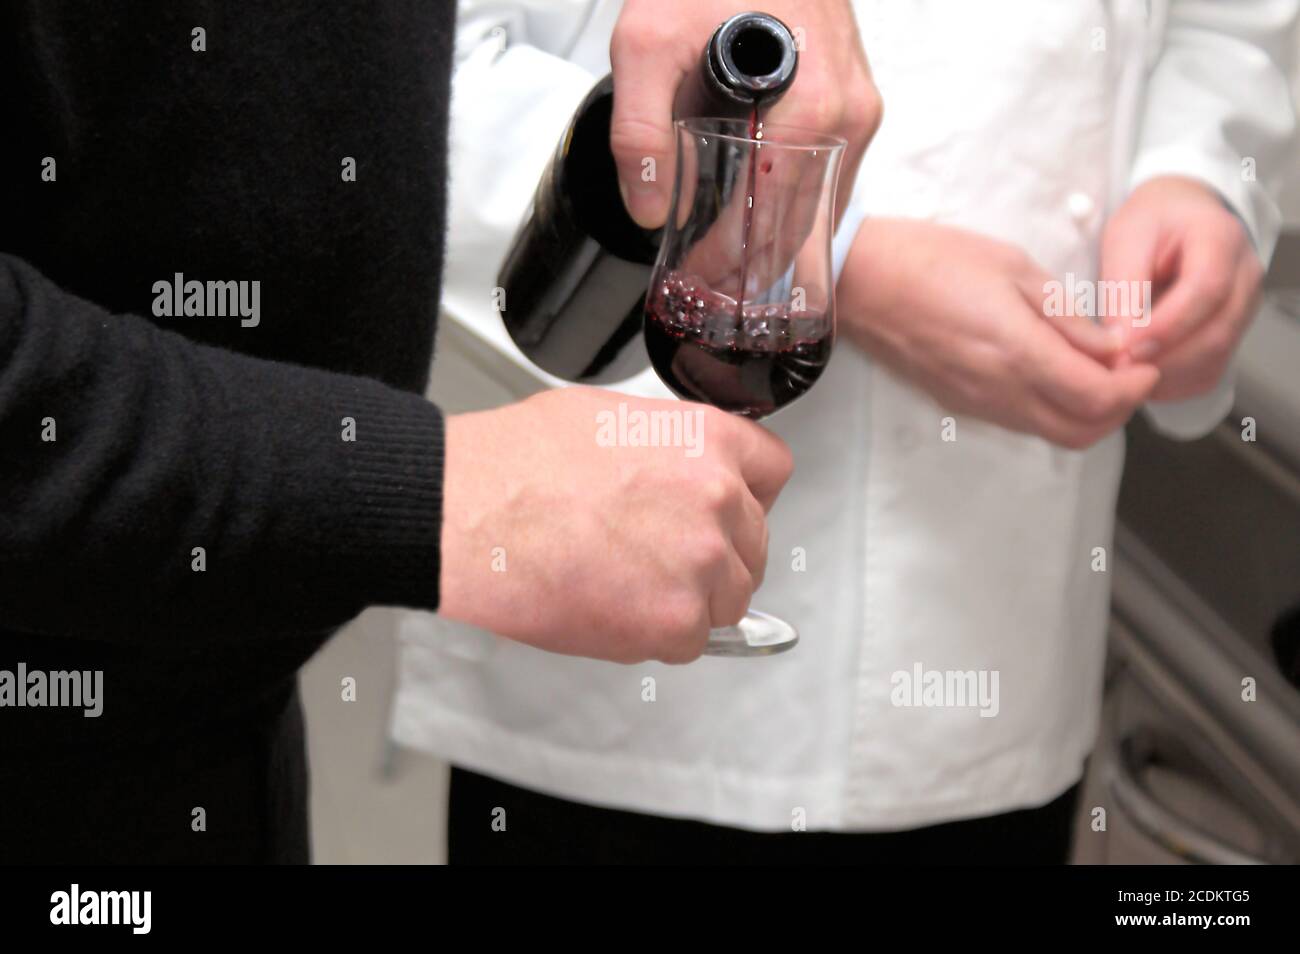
[{"x": 740, "y": 312}]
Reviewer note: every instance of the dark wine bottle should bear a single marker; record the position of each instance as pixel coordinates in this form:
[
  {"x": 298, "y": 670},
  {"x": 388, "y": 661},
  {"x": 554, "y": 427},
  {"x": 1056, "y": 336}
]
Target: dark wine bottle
[{"x": 576, "y": 274}]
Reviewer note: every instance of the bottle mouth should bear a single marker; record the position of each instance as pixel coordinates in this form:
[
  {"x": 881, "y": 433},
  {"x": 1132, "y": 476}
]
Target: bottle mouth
[{"x": 754, "y": 51}]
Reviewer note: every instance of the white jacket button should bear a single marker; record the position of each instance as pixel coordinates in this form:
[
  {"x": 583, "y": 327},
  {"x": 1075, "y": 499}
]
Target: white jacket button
[{"x": 1081, "y": 207}]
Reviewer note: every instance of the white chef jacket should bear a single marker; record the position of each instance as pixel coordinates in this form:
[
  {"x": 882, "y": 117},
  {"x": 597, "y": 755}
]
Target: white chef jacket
[{"x": 891, "y": 549}]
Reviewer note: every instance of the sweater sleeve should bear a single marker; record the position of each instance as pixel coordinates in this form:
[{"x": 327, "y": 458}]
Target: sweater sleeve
[{"x": 155, "y": 490}]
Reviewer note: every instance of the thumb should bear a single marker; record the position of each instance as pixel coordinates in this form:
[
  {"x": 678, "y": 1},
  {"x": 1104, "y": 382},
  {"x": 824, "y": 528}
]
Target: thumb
[{"x": 641, "y": 133}]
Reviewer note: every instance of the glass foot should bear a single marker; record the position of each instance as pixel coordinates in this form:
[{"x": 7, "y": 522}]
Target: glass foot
[{"x": 758, "y": 634}]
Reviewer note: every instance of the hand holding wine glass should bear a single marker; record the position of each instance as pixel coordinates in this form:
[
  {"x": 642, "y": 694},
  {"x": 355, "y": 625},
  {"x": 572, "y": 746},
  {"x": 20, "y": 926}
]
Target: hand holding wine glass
[{"x": 622, "y": 553}]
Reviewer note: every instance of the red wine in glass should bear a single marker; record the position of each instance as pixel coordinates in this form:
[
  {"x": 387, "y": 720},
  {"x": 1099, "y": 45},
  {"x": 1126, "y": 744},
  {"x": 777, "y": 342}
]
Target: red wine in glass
[{"x": 749, "y": 359}]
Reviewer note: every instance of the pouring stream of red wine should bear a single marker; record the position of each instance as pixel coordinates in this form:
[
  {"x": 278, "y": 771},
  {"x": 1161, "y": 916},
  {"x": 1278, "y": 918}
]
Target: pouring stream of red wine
[{"x": 755, "y": 132}]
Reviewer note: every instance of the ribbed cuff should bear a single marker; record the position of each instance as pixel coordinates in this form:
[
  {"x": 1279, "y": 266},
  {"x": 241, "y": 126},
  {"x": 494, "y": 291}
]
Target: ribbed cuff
[{"x": 387, "y": 498}]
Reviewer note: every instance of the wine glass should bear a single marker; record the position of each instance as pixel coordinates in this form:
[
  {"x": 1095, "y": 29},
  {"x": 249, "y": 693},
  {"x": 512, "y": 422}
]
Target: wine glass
[{"x": 740, "y": 312}]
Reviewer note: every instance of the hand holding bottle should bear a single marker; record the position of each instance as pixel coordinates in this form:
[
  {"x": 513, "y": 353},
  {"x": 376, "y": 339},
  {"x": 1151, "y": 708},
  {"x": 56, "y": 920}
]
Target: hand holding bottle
[{"x": 657, "y": 43}]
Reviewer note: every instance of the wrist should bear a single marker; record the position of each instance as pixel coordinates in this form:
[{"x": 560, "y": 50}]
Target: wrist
[{"x": 872, "y": 282}]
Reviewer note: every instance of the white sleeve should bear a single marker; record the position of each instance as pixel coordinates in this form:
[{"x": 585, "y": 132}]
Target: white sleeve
[{"x": 1219, "y": 110}]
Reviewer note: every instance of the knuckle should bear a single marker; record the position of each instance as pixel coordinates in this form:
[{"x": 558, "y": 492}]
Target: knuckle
[
  {"x": 1098, "y": 406},
  {"x": 983, "y": 364},
  {"x": 683, "y": 629},
  {"x": 783, "y": 460},
  {"x": 1014, "y": 354},
  {"x": 1220, "y": 341},
  {"x": 708, "y": 550},
  {"x": 867, "y": 111},
  {"x": 1081, "y": 438},
  {"x": 718, "y": 492},
  {"x": 639, "y": 650},
  {"x": 1211, "y": 286},
  {"x": 857, "y": 112},
  {"x": 681, "y": 614},
  {"x": 676, "y": 653},
  {"x": 630, "y": 136},
  {"x": 637, "y": 36},
  {"x": 692, "y": 647},
  {"x": 733, "y": 613},
  {"x": 969, "y": 392},
  {"x": 1069, "y": 436}
]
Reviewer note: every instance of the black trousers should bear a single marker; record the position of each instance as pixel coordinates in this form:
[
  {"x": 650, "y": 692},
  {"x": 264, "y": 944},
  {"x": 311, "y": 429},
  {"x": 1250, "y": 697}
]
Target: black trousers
[{"x": 540, "y": 829}]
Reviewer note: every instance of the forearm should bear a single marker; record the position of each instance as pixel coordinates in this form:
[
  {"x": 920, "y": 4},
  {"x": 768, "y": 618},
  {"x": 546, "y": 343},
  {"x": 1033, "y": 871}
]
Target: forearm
[{"x": 870, "y": 290}]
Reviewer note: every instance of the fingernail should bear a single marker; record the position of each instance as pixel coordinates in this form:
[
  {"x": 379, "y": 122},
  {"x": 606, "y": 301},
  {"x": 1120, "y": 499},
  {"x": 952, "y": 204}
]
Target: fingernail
[
  {"x": 627, "y": 201},
  {"x": 1115, "y": 336},
  {"x": 642, "y": 202},
  {"x": 1144, "y": 350}
]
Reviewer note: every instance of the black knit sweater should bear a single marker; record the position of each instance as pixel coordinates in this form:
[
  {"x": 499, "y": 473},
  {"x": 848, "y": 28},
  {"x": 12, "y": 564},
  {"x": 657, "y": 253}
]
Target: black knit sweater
[{"x": 129, "y": 155}]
